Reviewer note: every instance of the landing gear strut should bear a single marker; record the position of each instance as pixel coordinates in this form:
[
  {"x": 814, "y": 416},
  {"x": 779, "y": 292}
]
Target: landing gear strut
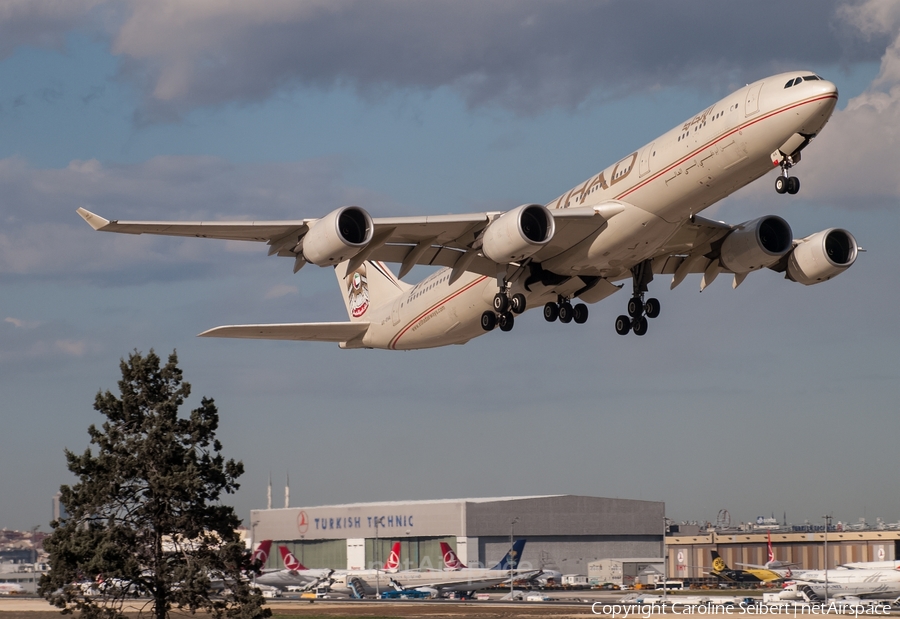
[
  {"x": 566, "y": 312},
  {"x": 638, "y": 309},
  {"x": 787, "y": 183},
  {"x": 505, "y": 307}
]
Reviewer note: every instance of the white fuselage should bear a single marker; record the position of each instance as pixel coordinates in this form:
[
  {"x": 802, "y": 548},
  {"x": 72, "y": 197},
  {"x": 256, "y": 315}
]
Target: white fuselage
[
  {"x": 465, "y": 580},
  {"x": 662, "y": 184},
  {"x": 882, "y": 584}
]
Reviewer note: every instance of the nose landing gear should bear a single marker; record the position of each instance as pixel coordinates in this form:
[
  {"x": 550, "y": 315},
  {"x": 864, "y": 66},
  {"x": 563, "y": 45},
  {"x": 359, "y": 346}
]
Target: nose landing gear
[{"x": 787, "y": 183}]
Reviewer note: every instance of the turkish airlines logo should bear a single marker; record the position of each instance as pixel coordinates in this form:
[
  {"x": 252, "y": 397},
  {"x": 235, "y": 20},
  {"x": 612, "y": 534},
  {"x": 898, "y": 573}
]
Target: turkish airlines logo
[
  {"x": 302, "y": 522},
  {"x": 290, "y": 562},
  {"x": 393, "y": 560},
  {"x": 451, "y": 560}
]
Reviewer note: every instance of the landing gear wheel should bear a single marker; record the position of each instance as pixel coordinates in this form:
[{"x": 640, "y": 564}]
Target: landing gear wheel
[
  {"x": 781, "y": 184},
  {"x": 623, "y": 325},
  {"x": 651, "y": 308},
  {"x": 488, "y": 321},
  {"x": 580, "y": 313},
  {"x": 793, "y": 185},
  {"x": 566, "y": 312},
  {"x": 517, "y": 303},
  {"x": 501, "y": 303},
  {"x": 551, "y": 312},
  {"x": 635, "y": 307},
  {"x": 640, "y": 326},
  {"x": 506, "y": 321}
]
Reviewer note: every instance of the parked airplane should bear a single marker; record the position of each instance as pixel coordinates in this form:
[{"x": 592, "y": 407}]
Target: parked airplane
[
  {"x": 844, "y": 583},
  {"x": 721, "y": 570},
  {"x": 261, "y": 554},
  {"x": 9, "y": 588},
  {"x": 452, "y": 563},
  {"x": 633, "y": 220},
  {"x": 781, "y": 568},
  {"x": 294, "y": 574},
  {"x": 438, "y": 582}
]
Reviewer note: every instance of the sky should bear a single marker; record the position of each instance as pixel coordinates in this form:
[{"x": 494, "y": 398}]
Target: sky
[{"x": 774, "y": 398}]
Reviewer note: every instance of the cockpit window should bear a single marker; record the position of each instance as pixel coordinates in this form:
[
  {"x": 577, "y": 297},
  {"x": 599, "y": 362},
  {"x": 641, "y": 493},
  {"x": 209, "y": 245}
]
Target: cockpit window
[
  {"x": 789, "y": 83},
  {"x": 811, "y": 78}
]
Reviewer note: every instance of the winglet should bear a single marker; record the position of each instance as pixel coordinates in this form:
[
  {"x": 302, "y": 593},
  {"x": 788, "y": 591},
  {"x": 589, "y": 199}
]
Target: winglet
[{"x": 95, "y": 221}]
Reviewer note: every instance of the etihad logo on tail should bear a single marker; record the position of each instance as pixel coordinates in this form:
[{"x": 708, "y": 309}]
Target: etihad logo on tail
[{"x": 358, "y": 291}]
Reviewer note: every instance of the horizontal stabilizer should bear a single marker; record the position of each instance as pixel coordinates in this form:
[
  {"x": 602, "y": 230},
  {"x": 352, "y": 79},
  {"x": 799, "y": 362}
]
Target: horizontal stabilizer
[{"x": 305, "y": 331}]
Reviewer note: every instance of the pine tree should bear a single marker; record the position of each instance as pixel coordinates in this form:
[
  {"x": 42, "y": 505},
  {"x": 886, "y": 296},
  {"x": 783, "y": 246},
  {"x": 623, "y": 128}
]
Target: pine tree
[{"x": 144, "y": 518}]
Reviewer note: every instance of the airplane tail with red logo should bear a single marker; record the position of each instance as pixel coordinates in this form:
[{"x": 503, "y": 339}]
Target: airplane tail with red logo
[
  {"x": 393, "y": 560},
  {"x": 261, "y": 554},
  {"x": 451, "y": 561},
  {"x": 771, "y": 552},
  {"x": 371, "y": 283},
  {"x": 290, "y": 561}
]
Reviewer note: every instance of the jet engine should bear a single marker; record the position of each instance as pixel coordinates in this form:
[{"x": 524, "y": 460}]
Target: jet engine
[
  {"x": 338, "y": 236},
  {"x": 820, "y": 257},
  {"x": 518, "y": 234},
  {"x": 756, "y": 244}
]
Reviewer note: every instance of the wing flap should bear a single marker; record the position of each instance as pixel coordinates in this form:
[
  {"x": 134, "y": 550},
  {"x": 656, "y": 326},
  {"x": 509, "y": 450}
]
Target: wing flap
[{"x": 303, "y": 331}]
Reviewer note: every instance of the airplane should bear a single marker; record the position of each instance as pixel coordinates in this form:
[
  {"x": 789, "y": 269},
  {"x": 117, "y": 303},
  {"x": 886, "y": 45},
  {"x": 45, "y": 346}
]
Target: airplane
[
  {"x": 636, "y": 219},
  {"x": 294, "y": 573},
  {"x": 721, "y": 570},
  {"x": 9, "y": 588},
  {"x": 781, "y": 568},
  {"x": 452, "y": 563},
  {"x": 437, "y": 582},
  {"x": 845, "y": 583},
  {"x": 261, "y": 554}
]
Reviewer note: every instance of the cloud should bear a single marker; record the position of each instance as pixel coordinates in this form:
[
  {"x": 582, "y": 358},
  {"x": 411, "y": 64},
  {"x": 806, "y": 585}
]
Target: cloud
[
  {"x": 46, "y": 23},
  {"x": 525, "y": 55},
  {"x": 43, "y": 236},
  {"x": 856, "y": 155},
  {"x": 20, "y": 324},
  {"x": 284, "y": 290}
]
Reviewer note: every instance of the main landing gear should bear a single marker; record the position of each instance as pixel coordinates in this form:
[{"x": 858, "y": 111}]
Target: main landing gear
[
  {"x": 787, "y": 183},
  {"x": 638, "y": 309},
  {"x": 505, "y": 309},
  {"x": 566, "y": 312}
]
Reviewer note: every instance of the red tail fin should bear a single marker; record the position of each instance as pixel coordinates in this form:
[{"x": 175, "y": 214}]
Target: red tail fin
[
  {"x": 261, "y": 554},
  {"x": 771, "y": 552},
  {"x": 393, "y": 560},
  {"x": 290, "y": 561},
  {"x": 451, "y": 561}
]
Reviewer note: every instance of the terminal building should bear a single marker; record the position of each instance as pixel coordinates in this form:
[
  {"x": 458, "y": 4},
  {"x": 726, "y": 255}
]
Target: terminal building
[{"x": 564, "y": 532}]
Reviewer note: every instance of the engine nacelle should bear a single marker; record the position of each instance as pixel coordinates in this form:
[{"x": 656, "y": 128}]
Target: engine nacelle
[
  {"x": 338, "y": 236},
  {"x": 518, "y": 234},
  {"x": 756, "y": 244},
  {"x": 820, "y": 257}
]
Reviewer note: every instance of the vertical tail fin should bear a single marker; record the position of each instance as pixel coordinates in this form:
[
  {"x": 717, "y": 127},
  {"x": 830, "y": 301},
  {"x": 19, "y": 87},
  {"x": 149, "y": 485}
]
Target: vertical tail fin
[
  {"x": 393, "y": 560},
  {"x": 511, "y": 560},
  {"x": 261, "y": 554},
  {"x": 372, "y": 283},
  {"x": 718, "y": 562},
  {"x": 771, "y": 552},
  {"x": 290, "y": 561},
  {"x": 451, "y": 561}
]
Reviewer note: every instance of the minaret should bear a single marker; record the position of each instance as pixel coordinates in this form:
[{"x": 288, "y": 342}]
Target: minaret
[
  {"x": 269, "y": 494},
  {"x": 287, "y": 490}
]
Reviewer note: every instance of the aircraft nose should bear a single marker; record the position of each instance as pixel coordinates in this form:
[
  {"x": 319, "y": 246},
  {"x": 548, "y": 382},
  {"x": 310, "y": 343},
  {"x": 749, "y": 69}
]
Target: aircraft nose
[{"x": 827, "y": 88}]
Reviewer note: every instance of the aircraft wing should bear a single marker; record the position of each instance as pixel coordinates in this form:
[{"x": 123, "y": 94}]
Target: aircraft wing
[
  {"x": 694, "y": 248},
  {"x": 440, "y": 240},
  {"x": 306, "y": 331}
]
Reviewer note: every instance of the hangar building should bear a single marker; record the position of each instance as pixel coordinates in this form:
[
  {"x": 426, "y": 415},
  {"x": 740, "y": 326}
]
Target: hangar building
[{"x": 564, "y": 532}]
